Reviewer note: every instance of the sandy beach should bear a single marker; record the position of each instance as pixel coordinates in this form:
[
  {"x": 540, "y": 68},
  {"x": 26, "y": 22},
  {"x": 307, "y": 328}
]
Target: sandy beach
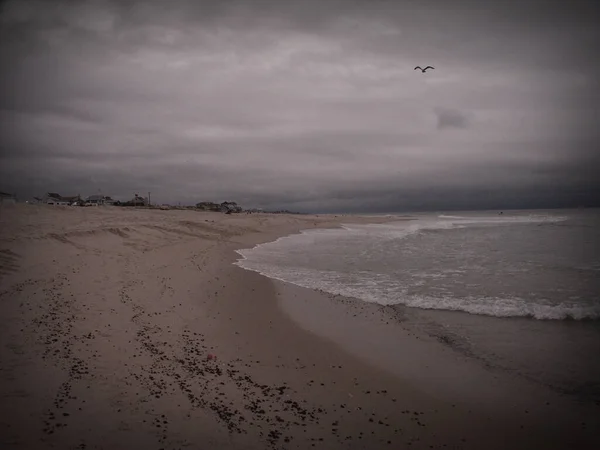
[{"x": 132, "y": 328}]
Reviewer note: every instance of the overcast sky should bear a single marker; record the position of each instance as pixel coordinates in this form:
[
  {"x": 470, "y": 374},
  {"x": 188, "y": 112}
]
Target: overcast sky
[{"x": 306, "y": 105}]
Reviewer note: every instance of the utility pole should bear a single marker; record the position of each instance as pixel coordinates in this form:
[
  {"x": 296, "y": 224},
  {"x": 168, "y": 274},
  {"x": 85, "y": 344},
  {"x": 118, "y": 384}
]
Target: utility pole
[{"x": 149, "y": 198}]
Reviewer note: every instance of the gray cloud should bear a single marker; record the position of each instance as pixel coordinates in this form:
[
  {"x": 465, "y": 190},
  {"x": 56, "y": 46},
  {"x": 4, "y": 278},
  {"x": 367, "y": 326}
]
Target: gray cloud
[
  {"x": 450, "y": 118},
  {"x": 307, "y": 105}
]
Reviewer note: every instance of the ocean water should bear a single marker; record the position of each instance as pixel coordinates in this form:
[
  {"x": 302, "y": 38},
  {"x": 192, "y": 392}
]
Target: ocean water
[{"x": 519, "y": 290}]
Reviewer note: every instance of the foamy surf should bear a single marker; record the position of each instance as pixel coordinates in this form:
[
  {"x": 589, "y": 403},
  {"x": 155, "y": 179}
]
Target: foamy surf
[
  {"x": 533, "y": 218},
  {"x": 375, "y": 288},
  {"x": 354, "y": 261}
]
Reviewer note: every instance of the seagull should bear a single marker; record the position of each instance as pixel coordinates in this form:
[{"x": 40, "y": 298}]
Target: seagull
[{"x": 423, "y": 70}]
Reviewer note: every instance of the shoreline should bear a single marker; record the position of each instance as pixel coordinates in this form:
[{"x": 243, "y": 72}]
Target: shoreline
[
  {"x": 109, "y": 319},
  {"x": 473, "y": 383}
]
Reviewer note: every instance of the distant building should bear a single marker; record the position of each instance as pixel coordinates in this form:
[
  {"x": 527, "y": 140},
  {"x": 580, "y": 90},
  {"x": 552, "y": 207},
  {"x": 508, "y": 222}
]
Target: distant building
[
  {"x": 225, "y": 207},
  {"x": 97, "y": 200},
  {"x": 94, "y": 200},
  {"x": 139, "y": 201},
  {"x": 208, "y": 206},
  {"x": 52, "y": 198},
  {"x": 7, "y": 199},
  {"x": 230, "y": 207}
]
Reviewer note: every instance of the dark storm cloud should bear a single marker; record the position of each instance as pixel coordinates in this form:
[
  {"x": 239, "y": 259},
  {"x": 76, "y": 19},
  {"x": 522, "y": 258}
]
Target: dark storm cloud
[{"x": 307, "y": 105}]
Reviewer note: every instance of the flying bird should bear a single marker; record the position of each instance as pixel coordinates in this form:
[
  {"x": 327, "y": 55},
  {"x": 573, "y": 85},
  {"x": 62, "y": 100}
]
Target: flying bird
[{"x": 423, "y": 70}]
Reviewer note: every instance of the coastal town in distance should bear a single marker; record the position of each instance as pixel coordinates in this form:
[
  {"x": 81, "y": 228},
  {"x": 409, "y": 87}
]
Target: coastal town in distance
[{"x": 54, "y": 199}]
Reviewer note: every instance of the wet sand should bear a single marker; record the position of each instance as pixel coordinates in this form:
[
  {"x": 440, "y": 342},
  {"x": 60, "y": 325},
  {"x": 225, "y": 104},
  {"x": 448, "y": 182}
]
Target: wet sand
[{"x": 133, "y": 329}]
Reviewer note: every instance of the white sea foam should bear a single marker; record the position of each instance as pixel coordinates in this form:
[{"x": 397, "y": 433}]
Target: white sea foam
[
  {"x": 379, "y": 288},
  {"x": 273, "y": 260},
  {"x": 532, "y": 218},
  {"x": 443, "y": 216},
  {"x": 507, "y": 307}
]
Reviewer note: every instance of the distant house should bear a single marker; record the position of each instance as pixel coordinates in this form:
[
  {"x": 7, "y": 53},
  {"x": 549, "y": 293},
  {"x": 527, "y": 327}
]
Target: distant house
[
  {"x": 72, "y": 200},
  {"x": 97, "y": 200},
  {"x": 230, "y": 207},
  {"x": 138, "y": 201},
  {"x": 7, "y": 199},
  {"x": 52, "y": 198},
  {"x": 94, "y": 200},
  {"x": 225, "y": 207},
  {"x": 208, "y": 206}
]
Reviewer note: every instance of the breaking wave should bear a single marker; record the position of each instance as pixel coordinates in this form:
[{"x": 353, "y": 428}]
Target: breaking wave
[
  {"x": 377, "y": 288},
  {"x": 281, "y": 259}
]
